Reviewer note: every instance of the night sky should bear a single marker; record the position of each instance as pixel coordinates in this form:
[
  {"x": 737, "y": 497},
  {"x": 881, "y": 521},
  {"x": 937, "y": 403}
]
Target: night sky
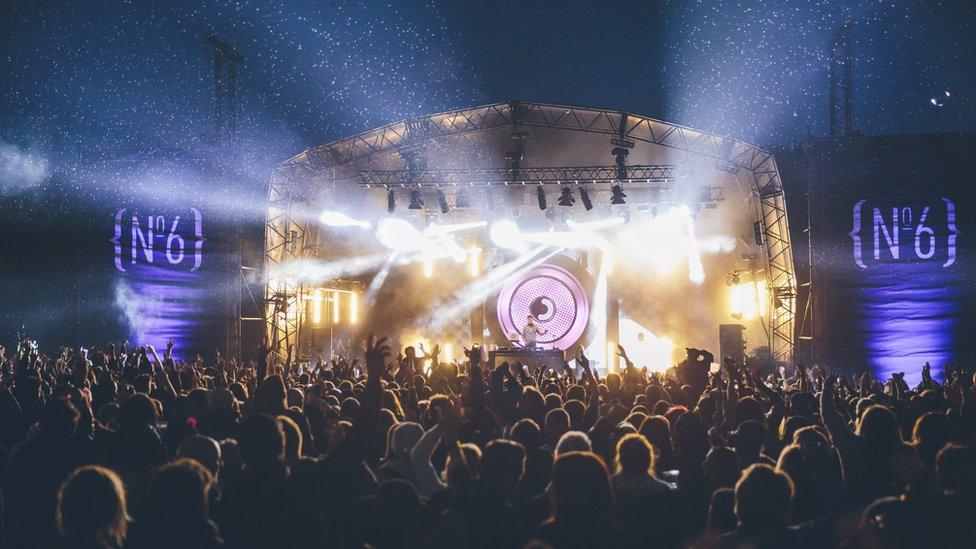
[
  {"x": 89, "y": 76},
  {"x": 77, "y": 78}
]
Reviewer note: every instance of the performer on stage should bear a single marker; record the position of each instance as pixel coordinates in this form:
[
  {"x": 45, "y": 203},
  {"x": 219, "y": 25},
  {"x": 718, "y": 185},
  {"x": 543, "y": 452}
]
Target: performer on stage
[{"x": 531, "y": 333}]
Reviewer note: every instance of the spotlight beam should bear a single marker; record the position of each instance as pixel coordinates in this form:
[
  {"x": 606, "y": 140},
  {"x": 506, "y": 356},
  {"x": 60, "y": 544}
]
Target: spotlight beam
[
  {"x": 434, "y": 230},
  {"x": 311, "y": 270},
  {"x": 464, "y": 299},
  {"x": 374, "y": 285},
  {"x": 332, "y": 218}
]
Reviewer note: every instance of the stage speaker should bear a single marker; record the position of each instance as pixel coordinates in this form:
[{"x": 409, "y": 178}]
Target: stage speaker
[
  {"x": 732, "y": 342},
  {"x": 757, "y": 232},
  {"x": 557, "y": 299}
]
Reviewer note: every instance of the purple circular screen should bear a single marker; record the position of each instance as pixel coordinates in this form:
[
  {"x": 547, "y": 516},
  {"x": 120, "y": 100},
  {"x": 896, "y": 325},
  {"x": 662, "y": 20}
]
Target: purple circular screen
[{"x": 554, "y": 297}]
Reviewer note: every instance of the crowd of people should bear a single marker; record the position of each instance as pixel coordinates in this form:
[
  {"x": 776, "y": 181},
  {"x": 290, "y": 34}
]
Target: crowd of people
[{"x": 118, "y": 447}]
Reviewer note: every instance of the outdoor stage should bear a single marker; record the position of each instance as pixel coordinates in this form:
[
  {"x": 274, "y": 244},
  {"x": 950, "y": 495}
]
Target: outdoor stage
[{"x": 607, "y": 227}]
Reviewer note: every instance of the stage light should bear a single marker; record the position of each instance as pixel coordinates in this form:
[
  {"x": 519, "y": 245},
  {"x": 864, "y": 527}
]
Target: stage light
[
  {"x": 566, "y": 198},
  {"x": 416, "y": 200},
  {"x": 442, "y": 201},
  {"x": 617, "y": 195},
  {"x": 391, "y": 200},
  {"x": 317, "y": 307},
  {"x": 338, "y": 219},
  {"x": 428, "y": 262},
  {"x": 353, "y": 307},
  {"x": 585, "y": 197},
  {"x": 611, "y": 356},
  {"x": 399, "y": 235},
  {"x": 506, "y": 234},
  {"x": 748, "y": 300},
  {"x": 335, "y": 307},
  {"x": 448, "y": 352},
  {"x": 541, "y": 195}
]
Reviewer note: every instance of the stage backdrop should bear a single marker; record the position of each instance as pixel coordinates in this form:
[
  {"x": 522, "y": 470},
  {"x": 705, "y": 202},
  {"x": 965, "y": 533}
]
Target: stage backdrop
[
  {"x": 137, "y": 245},
  {"x": 894, "y": 221}
]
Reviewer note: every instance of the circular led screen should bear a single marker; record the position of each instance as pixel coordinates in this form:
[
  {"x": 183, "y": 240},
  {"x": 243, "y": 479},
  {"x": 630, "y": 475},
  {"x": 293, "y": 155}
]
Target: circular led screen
[{"x": 554, "y": 297}]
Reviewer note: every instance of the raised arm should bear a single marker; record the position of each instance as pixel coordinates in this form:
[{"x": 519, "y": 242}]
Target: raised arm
[
  {"x": 356, "y": 446},
  {"x": 162, "y": 379},
  {"x": 836, "y": 424}
]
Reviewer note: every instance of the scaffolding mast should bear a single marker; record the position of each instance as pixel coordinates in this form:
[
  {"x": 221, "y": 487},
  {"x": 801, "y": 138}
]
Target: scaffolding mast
[
  {"x": 840, "y": 77},
  {"x": 226, "y": 61}
]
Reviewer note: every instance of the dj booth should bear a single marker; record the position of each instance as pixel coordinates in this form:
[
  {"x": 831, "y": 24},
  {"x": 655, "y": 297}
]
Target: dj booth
[{"x": 533, "y": 358}]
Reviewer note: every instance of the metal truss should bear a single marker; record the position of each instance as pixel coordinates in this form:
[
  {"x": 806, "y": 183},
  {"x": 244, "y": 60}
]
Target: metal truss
[
  {"x": 336, "y": 161},
  {"x": 489, "y": 176},
  {"x": 286, "y": 238},
  {"x": 778, "y": 259}
]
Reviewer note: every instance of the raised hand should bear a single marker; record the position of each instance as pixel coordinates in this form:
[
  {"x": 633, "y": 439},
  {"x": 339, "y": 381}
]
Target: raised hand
[
  {"x": 582, "y": 360},
  {"x": 377, "y": 351},
  {"x": 622, "y": 353},
  {"x": 474, "y": 355}
]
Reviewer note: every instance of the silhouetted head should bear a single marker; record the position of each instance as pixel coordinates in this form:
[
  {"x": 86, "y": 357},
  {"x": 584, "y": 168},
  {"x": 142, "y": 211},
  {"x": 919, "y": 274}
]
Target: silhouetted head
[
  {"x": 932, "y": 431},
  {"x": 557, "y": 423},
  {"x": 721, "y": 467},
  {"x": 293, "y": 439},
  {"x": 634, "y": 455},
  {"x": 402, "y": 438},
  {"x": 137, "y": 411},
  {"x": 203, "y": 449},
  {"x": 178, "y": 491},
  {"x": 721, "y": 511},
  {"x": 526, "y": 432},
  {"x": 581, "y": 490},
  {"x": 262, "y": 441},
  {"x": 573, "y": 441},
  {"x": 91, "y": 505},
  {"x": 762, "y": 497},
  {"x": 955, "y": 467},
  {"x": 271, "y": 395},
  {"x": 59, "y": 418},
  {"x": 879, "y": 429},
  {"x": 501, "y": 466},
  {"x": 748, "y": 439}
]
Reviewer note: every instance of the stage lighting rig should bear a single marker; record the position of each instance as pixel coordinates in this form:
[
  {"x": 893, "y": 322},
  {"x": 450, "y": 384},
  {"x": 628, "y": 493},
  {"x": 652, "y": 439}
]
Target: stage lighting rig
[
  {"x": 585, "y": 197},
  {"x": 617, "y": 195},
  {"x": 541, "y": 195},
  {"x": 391, "y": 200},
  {"x": 566, "y": 198},
  {"x": 442, "y": 201},
  {"x": 416, "y": 201}
]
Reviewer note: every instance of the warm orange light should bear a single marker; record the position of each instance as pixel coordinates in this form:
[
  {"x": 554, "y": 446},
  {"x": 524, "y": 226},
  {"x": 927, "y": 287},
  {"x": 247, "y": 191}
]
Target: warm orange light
[
  {"x": 317, "y": 307},
  {"x": 353, "y": 307},
  {"x": 335, "y": 307}
]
